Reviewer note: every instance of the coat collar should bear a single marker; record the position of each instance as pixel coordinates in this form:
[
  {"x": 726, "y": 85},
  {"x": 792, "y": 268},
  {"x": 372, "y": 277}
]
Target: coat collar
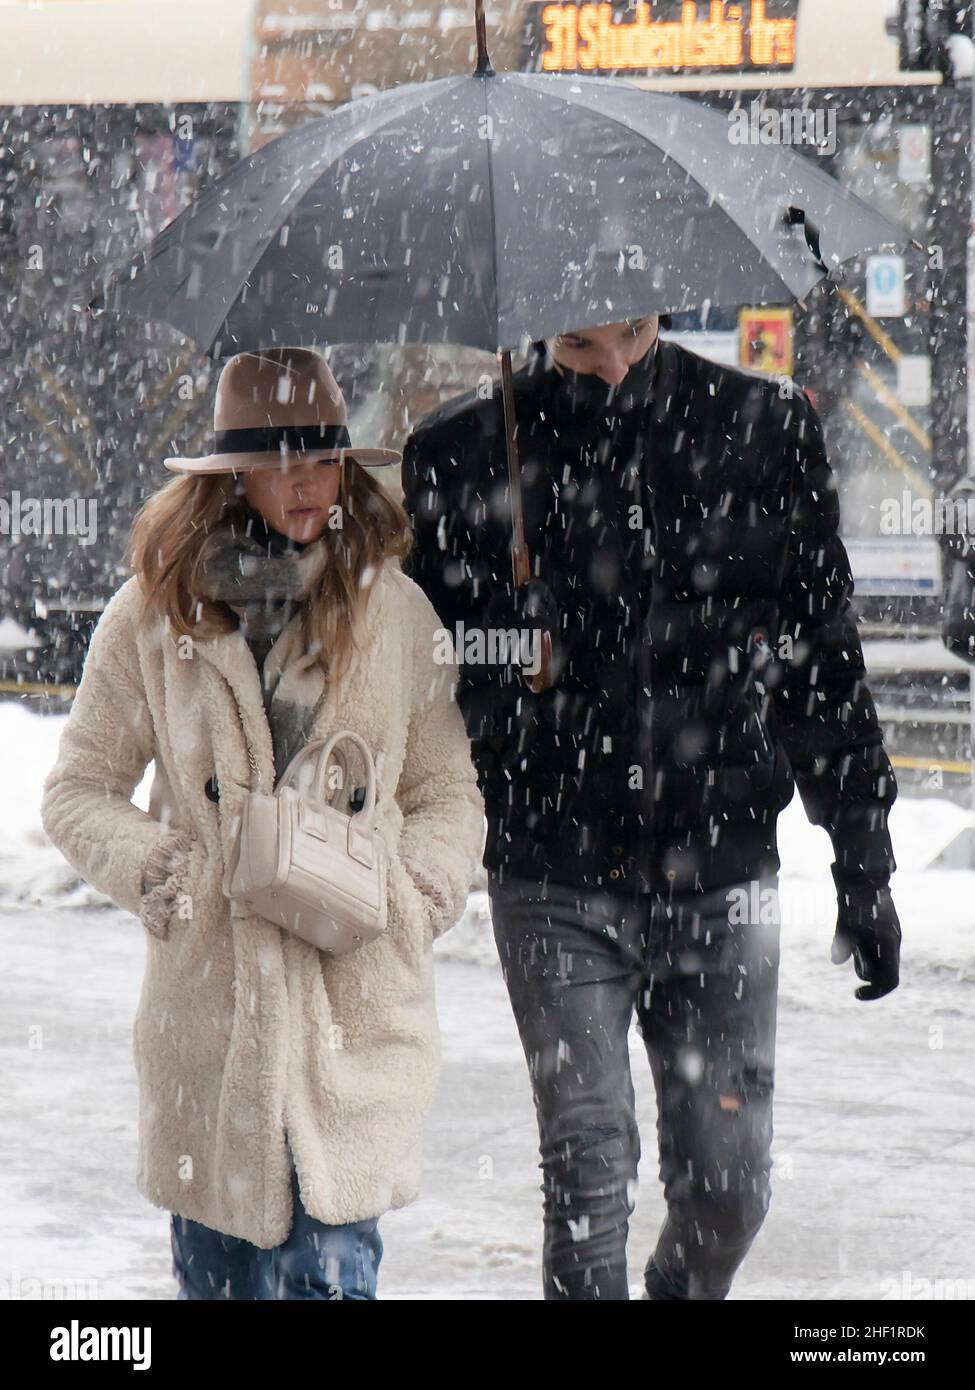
[
  {"x": 666, "y": 383},
  {"x": 541, "y": 379}
]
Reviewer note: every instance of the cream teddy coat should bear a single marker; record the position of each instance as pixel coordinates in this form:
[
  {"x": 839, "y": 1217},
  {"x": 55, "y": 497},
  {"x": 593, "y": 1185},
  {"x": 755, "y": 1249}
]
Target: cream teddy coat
[{"x": 247, "y": 1037}]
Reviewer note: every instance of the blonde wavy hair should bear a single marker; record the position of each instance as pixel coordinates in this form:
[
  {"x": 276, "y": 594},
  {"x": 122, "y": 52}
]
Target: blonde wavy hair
[{"x": 173, "y": 525}]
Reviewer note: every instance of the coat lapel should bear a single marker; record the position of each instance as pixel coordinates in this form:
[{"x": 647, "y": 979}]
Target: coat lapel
[{"x": 229, "y": 657}]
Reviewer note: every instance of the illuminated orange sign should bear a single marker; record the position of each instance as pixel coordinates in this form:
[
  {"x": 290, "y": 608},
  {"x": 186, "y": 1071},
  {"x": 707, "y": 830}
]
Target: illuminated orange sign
[
  {"x": 675, "y": 35},
  {"x": 766, "y": 340}
]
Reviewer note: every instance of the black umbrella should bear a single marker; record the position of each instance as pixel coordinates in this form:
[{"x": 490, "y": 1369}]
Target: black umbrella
[{"x": 490, "y": 210}]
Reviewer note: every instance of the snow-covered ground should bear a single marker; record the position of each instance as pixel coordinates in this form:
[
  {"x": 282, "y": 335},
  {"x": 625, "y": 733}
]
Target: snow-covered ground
[{"x": 874, "y": 1177}]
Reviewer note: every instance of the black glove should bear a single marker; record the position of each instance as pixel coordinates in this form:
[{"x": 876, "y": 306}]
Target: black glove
[
  {"x": 532, "y": 608},
  {"x": 868, "y": 929}
]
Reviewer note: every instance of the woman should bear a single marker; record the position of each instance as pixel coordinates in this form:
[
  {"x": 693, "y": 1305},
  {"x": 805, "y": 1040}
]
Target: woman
[{"x": 282, "y": 1091}]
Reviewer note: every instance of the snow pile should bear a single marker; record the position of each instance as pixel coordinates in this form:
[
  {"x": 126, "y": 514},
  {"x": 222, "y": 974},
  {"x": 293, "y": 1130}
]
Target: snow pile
[
  {"x": 13, "y": 637},
  {"x": 33, "y": 873}
]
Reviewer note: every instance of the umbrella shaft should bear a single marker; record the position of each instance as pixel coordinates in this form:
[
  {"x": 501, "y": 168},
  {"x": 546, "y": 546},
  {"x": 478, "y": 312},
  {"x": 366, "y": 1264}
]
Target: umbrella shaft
[
  {"x": 480, "y": 30},
  {"x": 520, "y": 567}
]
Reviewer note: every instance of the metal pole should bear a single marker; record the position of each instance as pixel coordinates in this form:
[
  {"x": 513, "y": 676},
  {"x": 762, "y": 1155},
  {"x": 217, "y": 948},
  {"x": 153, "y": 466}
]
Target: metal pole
[
  {"x": 970, "y": 366},
  {"x": 520, "y": 566},
  {"x": 971, "y": 269},
  {"x": 971, "y": 747}
]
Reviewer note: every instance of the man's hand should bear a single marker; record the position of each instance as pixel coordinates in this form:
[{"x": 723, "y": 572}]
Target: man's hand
[
  {"x": 868, "y": 929},
  {"x": 537, "y": 611},
  {"x": 533, "y": 611},
  {"x": 542, "y": 678}
]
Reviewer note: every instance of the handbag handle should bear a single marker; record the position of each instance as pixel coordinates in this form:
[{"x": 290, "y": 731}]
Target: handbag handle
[
  {"x": 338, "y": 757},
  {"x": 327, "y": 747},
  {"x": 288, "y": 776}
]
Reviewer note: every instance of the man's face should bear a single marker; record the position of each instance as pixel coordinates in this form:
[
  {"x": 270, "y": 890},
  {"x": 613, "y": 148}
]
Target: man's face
[{"x": 607, "y": 352}]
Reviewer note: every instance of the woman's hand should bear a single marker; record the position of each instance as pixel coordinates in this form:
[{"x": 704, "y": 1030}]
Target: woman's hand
[{"x": 163, "y": 876}]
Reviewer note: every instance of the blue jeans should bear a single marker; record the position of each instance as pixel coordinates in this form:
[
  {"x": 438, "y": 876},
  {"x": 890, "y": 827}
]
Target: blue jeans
[
  {"x": 316, "y": 1261},
  {"x": 701, "y": 971}
]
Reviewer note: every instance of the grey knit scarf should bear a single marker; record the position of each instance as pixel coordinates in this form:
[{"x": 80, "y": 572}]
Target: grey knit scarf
[
  {"x": 265, "y": 580},
  {"x": 258, "y": 574}
]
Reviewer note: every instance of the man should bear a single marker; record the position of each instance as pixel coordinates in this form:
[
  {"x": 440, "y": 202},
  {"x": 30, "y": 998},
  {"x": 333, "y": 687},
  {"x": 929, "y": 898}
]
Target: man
[
  {"x": 682, "y": 522},
  {"x": 958, "y": 582}
]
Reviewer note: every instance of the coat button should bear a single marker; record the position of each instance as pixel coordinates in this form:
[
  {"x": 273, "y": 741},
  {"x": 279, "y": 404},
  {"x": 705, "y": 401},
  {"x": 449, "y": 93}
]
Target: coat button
[
  {"x": 617, "y": 849},
  {"x": 614, "y": 873}
]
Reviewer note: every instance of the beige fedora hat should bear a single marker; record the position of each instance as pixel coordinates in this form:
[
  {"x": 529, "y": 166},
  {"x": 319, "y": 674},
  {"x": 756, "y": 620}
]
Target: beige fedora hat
[{"x": 276, "y": 407}]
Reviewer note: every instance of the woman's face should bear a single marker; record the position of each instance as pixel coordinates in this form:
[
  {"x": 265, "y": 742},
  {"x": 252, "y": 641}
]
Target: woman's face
[{"x": 296, "y": 500}]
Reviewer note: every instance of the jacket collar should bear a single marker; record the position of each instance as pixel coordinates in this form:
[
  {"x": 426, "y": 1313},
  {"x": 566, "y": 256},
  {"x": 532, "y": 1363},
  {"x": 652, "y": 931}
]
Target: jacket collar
[
  {"x": 666, "y": 383},
  {"x": 542, "y": 378}
]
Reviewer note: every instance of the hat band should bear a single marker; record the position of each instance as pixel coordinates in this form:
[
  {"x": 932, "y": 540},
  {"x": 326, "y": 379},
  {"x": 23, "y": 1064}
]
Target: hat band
[{"x": 274, "y": 437}]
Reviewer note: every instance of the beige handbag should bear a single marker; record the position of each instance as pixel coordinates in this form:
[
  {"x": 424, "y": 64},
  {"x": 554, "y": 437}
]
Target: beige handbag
[{"x": 306, "y": 865}]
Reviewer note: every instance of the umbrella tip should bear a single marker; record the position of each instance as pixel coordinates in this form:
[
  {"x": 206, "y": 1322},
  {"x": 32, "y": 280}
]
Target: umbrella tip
[{"x": 484, "y": 68}]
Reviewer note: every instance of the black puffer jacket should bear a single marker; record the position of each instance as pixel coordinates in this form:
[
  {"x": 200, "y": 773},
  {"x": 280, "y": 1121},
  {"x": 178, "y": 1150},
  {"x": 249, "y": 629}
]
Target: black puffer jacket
[{"x": 705, "y": 654}]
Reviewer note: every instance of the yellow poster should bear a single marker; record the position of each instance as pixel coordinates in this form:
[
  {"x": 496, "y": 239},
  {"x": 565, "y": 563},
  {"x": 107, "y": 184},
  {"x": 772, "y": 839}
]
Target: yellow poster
[{"x": 765, "y": 336}]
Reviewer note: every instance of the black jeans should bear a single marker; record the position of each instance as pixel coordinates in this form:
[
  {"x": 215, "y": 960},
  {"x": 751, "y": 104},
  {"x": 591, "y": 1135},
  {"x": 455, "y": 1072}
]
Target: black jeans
[{"x": 701, "y": 969}]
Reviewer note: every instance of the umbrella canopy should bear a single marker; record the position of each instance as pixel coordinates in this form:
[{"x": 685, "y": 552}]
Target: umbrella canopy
[{"x": 492, "y": 209}]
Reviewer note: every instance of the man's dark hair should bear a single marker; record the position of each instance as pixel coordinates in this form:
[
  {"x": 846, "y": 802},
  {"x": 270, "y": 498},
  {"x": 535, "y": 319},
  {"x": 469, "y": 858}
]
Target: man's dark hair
[{"x": 665, "y": 323}]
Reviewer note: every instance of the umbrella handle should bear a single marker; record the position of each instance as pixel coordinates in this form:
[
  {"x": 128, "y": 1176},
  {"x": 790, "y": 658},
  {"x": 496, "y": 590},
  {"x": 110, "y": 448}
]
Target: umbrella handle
[
  {"x": 484, "y": 68},
  {"x": 520, "y": 558}
]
